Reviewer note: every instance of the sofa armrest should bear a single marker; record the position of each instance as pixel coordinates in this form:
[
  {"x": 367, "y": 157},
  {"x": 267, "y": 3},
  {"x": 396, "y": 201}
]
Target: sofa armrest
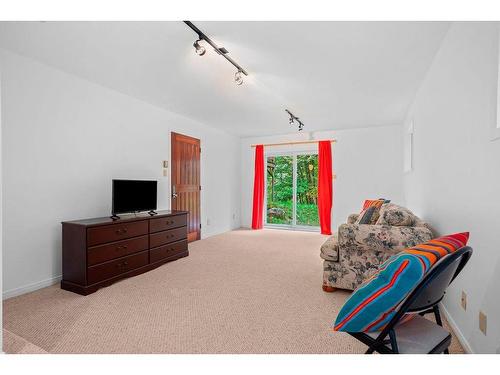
[
  {"x": 351, "y": 219},
  {"x": 355, "y": 238}
]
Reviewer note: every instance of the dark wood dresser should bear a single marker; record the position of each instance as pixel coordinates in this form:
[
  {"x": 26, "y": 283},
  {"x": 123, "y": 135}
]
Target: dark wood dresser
[{"x": 97, "y": 252}]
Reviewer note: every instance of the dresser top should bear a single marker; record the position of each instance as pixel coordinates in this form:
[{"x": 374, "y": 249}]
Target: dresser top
[{"x": 124, "y": 218}]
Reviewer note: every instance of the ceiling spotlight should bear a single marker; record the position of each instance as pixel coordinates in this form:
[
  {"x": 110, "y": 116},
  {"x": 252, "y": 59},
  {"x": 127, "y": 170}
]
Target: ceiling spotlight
[
  {"x": 221, "y": 51},
  {"x": 200, "y": 50},
  {"x": 238, "y": 78}
]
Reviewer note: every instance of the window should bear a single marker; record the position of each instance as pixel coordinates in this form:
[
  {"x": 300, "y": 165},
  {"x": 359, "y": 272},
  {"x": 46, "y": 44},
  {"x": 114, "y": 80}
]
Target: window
[{"x": 292, "y": 190}]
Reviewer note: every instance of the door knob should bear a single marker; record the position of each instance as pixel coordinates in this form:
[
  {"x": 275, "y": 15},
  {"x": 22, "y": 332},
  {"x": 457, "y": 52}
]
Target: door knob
[{"x": 174, "y": 195}]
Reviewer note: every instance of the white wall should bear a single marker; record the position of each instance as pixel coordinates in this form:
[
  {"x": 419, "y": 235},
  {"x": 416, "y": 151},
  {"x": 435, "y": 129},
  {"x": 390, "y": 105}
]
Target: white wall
[
  {"x": 367, "y": 163},
  {"x": 455, "y": 182},
  {"x": 64, "y": 139}
]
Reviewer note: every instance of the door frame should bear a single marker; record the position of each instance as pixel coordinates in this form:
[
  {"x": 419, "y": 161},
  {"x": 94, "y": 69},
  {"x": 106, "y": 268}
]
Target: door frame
[
  {"x": 293, "y": 226},
  {"x": 172, "y": 136}
]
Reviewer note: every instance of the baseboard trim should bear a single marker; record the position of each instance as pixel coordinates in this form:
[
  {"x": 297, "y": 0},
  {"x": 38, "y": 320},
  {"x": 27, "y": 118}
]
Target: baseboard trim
[
  {"x": 31, "y": 287},
  {"x": 460, "y": 336}
]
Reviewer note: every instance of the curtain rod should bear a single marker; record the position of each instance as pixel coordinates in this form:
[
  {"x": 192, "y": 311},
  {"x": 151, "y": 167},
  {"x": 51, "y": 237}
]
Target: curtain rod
[{"x": 293, "y": 143}]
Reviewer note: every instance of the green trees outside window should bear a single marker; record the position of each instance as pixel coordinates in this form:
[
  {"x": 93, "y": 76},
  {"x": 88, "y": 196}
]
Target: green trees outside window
[{"x": 280, "y": 190}]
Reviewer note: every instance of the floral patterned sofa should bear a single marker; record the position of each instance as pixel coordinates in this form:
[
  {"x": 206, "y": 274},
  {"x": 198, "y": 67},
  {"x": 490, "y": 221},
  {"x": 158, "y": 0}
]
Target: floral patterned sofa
[{"x": 356, "y": 250}]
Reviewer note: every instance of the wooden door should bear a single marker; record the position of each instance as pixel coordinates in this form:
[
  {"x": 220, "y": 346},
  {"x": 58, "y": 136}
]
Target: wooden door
[{"x": 186, "y": 181}]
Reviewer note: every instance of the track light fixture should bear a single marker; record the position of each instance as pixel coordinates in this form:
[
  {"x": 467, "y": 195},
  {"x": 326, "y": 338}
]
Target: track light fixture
[
  {"x": 238, "y": 78},
  {"x": 294, "y": 118},
  {"x": 200, "y": 50}
]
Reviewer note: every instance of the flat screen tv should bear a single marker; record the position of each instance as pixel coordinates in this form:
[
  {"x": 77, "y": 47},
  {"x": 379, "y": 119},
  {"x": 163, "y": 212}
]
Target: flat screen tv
[{"x": 133, "y": 196}]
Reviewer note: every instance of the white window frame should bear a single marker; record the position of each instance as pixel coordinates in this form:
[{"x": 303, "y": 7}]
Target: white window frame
[
  {"x": 495, "y": 125},
  {"x": 294, "y": 225},
  {"x": 408, "y": 145}
]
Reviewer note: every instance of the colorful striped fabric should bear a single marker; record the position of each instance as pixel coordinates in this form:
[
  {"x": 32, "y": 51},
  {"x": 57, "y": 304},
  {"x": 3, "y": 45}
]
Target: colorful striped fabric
[
  {"x": 373, "y": 203},
  {"x": 370, "y": 211},
  {"x": 372, "y": 304}
]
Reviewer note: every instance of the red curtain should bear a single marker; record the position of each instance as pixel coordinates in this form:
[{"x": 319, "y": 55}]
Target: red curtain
[
  {"x": 258, "y": 188},
  {"x": 325, "y": 195}
]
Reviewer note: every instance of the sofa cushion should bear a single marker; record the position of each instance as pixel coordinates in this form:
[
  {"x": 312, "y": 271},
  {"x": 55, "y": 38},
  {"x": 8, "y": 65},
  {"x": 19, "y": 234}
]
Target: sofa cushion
[
  {"x": 373, "y": 303},
  {"x": 351, "y": 219},
  {"x": 397, "y": 216},
  {"x": 330, "y": 249}
]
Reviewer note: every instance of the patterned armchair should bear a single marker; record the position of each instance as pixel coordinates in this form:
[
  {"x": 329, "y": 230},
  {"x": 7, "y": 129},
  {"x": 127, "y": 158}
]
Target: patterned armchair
[{"x": 356, "y": 250}]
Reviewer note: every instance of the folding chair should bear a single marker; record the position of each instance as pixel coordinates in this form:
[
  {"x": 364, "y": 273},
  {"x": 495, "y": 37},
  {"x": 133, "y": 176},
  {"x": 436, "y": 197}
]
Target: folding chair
[{"x": 419, "y": 335}]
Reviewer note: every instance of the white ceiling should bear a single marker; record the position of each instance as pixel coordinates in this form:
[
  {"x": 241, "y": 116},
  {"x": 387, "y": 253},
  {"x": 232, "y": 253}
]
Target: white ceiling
[{"x": 333, "y": 75}]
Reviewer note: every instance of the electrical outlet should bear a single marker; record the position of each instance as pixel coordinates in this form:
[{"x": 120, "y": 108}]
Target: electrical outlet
[
  {"x": 234, "y": 216},
  {"x": 463, "y": 300},
  {"x": 208, "y": 221},
  {"x": 482, "y": 322}
]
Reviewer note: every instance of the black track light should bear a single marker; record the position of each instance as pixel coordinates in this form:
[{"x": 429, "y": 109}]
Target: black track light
[
  {"x": 294, "y": 118},
  {"x": 200, "y": 50}
]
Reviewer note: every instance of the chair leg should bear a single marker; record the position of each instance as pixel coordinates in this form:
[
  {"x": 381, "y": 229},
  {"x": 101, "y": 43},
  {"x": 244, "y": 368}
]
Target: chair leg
[
  {"x": 437, "y": 315},
  {"x": 394, "y": 343},
  {"x": 370, "y": 351},
  {"x": 329, "y": 289}
]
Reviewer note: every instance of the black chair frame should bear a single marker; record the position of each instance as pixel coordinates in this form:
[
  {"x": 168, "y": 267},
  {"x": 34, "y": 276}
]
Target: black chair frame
[{"x": 424, "y": 299}]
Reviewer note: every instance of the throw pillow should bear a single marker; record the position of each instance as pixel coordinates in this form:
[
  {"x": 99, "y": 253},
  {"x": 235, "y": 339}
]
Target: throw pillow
[
  {"x": 370, "y": 211},
  {"x": 373, "y": 202},
  {"x": 368, "y": 216},
  {"x": 396, "y": 216},
  {"x": 372, "y": 304}
]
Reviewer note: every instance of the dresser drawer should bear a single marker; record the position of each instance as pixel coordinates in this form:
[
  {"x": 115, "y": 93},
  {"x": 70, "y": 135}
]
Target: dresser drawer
[
  {"x": 103, "y": 253},
  {"x": 165, "y": 223},
  {"x": 167, "y": 251},
  {"x": 168, "y": 236},
  {"x": 115, "y": 267},
  {"x": 116, "y": 232}
]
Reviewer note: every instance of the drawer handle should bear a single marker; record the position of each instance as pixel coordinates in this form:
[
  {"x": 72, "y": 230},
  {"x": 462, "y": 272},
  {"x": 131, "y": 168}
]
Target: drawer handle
[
  {"x": 118, "y": 248},
  {"x": 122, "y": 264},
  {"x": 121, "y": 231},
  {"x": 170, "y": 235},
  {"x": 169, "y": 222}
]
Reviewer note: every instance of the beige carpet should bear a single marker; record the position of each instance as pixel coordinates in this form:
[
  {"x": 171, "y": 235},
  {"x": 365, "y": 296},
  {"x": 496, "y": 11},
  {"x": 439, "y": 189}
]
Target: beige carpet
[{"x": 239, "y": 292}]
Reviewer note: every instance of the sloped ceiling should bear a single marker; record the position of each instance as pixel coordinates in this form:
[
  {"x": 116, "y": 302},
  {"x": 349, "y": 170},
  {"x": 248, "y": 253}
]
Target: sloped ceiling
[{"x": 333, "y": 75}]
